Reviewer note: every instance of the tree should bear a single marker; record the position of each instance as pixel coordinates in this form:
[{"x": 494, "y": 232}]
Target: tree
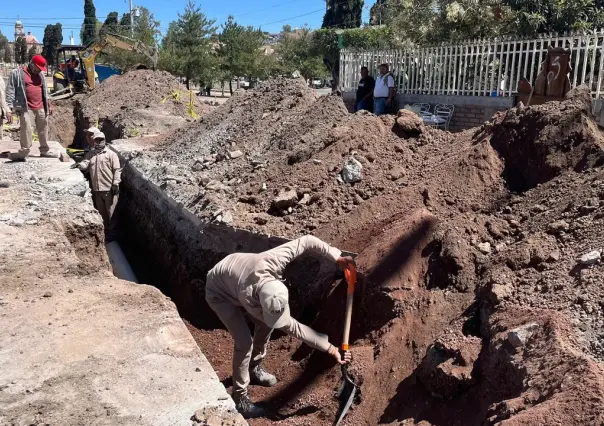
[
  {"x": 111, "y": 24},
  {"x": 53, "y": 38},
  {"x": 89, "y": 30},
  {"x": 8, "y": 57},
  {"x": 20, "y": 50},
  {"x": 4, "y": 46},
  {"x": 146, "y": 30},
  {"x": 297, "y": 53},
  {"x": 238, "y": 50},
  {"x": 343, "y": 14},
  {"x": 31, "y": 52},
  {"x": 23, "y": 52},
  {"x": 187, "y": 46}
]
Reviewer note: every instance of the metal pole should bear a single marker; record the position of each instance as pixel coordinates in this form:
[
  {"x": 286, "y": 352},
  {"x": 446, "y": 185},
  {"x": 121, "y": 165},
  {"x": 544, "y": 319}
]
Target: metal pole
[{"x": 131, "y": 20}]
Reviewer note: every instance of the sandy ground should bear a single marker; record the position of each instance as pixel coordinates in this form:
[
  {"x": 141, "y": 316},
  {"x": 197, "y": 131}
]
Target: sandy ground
[{"x": 77, "y": 345}]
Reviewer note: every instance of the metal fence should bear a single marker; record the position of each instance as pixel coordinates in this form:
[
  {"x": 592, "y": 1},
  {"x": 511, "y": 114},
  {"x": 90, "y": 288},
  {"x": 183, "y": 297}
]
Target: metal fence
[{"x": 479, "y": 67}]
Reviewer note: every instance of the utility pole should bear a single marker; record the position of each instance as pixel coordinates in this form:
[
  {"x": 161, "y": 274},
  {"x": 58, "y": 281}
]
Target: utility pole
[{"x": 131, "y": 20}]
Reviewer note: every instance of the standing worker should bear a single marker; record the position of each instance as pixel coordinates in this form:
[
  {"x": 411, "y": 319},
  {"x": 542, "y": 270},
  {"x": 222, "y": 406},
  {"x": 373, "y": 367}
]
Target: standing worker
[
  {"x": 4, "y": 109},
  {"x": 26, "y": 95},
  {"x": 383, "y": 94},
  {"x": 253, "y": 282},
  {"x": 365, "y": 91},
  {"x": 105, "y": 171}
]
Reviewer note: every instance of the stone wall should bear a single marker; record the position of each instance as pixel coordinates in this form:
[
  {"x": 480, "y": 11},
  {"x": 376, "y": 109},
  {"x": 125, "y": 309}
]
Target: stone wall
[{"x": 470, "y": 111}]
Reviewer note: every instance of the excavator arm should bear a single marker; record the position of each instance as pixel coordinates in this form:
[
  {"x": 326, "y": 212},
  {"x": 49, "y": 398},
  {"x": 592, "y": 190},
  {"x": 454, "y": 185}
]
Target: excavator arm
[{"x": 89, "y": 55}]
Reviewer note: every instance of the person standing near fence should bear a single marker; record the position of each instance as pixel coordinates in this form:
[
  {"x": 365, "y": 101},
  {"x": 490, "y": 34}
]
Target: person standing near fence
[
  {"x": 365, "y": 91},
  {"x": 383, "y": 94}
]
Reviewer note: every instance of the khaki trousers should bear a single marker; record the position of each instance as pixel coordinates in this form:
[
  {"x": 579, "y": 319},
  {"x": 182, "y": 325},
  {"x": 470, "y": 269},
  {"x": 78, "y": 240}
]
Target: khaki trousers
[
  {"x": 248, "y": 351},
  {"x": 105, "y": 202},
  {"x": 27, "y": 120}
]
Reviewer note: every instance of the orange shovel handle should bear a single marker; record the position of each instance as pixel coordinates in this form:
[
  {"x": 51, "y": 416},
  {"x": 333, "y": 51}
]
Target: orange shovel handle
[{"x": 350, "y": 273}]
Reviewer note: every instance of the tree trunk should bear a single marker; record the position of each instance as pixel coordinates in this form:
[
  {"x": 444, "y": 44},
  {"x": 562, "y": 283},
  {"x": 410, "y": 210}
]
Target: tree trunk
[
  {"x": 187, "y": 83},
  {"x": 231, "y": 87},
  {"x": 222, "y": 87}
]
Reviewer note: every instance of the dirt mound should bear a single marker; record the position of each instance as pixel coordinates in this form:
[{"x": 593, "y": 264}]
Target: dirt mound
[
  {"x": 540, "y": 142},
  {"x": 460, "y": 238},
  {"x": 137, "y": 103}
]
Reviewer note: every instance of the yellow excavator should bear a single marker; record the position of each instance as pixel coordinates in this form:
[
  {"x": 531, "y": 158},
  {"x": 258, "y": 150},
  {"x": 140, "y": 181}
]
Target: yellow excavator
[{"x": 66, "y": 86}]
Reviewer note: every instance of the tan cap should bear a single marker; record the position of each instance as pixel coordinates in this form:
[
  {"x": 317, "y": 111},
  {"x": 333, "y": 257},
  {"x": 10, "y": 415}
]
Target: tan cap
[
  {"x": 99, "y": 135},
  {"x": 92, "y": 130},
  {"x": 274, "y": 299}
]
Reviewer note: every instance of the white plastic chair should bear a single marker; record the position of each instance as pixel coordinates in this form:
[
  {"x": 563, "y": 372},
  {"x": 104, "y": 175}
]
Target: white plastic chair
[
  {"x": 444, "y": 112},
  {"x": 423, "y": 108}
]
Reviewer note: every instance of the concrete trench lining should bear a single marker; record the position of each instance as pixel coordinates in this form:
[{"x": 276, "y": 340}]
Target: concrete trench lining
[{"x": 173, "y": 249}]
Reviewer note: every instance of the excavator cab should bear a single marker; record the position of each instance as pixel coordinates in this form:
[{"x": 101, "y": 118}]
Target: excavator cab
[{"x": 66, "y": 82}]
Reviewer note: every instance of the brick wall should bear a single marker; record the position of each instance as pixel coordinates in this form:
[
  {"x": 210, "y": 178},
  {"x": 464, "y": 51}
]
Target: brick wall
[{"x": 470, "y": 111}]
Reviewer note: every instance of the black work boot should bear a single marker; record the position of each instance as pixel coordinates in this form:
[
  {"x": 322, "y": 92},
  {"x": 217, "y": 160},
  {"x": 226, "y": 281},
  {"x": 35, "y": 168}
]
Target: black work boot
[
  {"x": 259, "y": 376},
  {"x": 248, "y": 409}
]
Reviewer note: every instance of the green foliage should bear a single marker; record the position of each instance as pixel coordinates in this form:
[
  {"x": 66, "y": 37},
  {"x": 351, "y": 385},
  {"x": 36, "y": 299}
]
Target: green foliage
[
  {"x": 146, "y": 30},
  {"x": 89, "y": 30},
  {"x": 8, "y": 57},
  {"x": 297, "y": 51},
  {"x": 187, "y": 46},
  {"x": 546, "y": 16},
  {"x": 343, "y": 14},
  {"x": 20, "y": 51},
  {"x": 31, "y": 52},
  {"x": 111, "y": 24},
  {"x": 53, "y": 38},
  {"x": 239, "y": 50},
  {"x": 5, "y": 49}
]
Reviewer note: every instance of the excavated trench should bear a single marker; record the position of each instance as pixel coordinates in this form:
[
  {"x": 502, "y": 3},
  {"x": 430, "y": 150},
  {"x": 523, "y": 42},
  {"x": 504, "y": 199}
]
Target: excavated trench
[
  {"x": 393, "y": 328},
  {"x": 427, "y": 348}
]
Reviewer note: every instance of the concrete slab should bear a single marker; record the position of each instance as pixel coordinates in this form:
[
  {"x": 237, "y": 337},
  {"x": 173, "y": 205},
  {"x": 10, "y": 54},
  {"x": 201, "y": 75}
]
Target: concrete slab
[
  {"x": 77, "y": 345},
  {"x": 14, "y": 146}
]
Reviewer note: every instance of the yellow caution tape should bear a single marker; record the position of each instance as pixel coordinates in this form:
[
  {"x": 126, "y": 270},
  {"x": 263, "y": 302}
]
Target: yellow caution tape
[{"x": 190, "y": 105}]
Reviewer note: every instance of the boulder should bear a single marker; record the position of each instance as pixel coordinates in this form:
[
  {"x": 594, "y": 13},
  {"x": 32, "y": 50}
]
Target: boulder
[
  {"x": 409, "y": 122},
  {"x": 285, "y": 199},
  {"x": 351, "y": 172}
]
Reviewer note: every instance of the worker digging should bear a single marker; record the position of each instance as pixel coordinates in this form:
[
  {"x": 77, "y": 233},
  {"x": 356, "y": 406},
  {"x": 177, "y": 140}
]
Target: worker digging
[{"x": 253, "y": 281}]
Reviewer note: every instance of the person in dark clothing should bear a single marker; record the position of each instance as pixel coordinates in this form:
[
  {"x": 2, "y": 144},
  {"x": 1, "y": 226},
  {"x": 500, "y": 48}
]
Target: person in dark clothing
[{"x": 365, "y": 91}]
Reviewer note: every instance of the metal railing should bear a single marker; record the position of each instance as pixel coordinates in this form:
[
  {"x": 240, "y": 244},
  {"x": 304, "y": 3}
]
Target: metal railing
[{"x": 480, "y": 67}]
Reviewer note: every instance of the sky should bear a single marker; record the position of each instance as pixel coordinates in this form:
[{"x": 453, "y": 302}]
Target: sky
[{"x": 270, "y": 15}]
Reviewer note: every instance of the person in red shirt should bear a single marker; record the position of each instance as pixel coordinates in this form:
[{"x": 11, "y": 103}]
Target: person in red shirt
[{"x": 26, "y": 95}]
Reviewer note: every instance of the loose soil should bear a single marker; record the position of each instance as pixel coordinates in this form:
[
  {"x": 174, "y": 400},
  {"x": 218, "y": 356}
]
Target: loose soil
[
  {"x": 138, "y": 103},
  {"x": 472, "y": 295}
]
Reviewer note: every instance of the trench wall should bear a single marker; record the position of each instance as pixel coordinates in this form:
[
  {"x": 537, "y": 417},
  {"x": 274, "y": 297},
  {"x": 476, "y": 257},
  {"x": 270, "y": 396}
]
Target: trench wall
[{"x": 171, "y": 248}]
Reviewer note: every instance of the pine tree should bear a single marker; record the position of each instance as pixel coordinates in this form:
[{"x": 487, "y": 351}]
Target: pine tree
[
  {"x": 343, "y": 14},
  {"x": 89, "y": 30},
  {"x": 8, "y": 57},
  {"x": 23, "y": 52},
  {"x": 53, "y": 38}
]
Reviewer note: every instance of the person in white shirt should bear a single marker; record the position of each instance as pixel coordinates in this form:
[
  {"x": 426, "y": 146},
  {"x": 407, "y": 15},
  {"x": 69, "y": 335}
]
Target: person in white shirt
[{"x": 383, "y": 93}]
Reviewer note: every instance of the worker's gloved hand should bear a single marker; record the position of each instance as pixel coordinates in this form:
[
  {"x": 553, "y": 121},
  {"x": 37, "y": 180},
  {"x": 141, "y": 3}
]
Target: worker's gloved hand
[
  {"x": 115, "y": 189},
  {"x": 335, "y": 353},
  {"x": 345, "y": 261}
]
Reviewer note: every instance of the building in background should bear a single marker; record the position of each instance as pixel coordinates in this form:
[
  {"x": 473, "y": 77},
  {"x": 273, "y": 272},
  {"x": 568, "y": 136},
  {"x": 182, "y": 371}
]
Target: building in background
[{"x": 30, "y": 39}]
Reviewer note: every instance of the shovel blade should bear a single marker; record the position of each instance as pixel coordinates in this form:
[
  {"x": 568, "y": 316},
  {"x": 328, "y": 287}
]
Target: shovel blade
[{"x": 346, "y": 394}]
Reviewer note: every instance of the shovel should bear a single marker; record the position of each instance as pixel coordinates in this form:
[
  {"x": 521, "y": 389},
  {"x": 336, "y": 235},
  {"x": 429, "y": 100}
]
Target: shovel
[{"x": 348, "y": 389}]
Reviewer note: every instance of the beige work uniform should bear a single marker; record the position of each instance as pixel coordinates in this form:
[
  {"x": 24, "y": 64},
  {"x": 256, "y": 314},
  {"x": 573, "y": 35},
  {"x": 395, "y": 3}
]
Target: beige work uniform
[
  {"x": 105, "y": 171},
  {"x": 27, "y": 120},
  {"x": 235, "y": 283}
]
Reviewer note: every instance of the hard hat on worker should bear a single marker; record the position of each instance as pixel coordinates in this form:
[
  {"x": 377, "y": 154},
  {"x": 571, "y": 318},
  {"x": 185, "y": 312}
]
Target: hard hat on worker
[
  {"x": 92, "y": 130},
  {"x": 274, "y": 299},
  {"x": 39, "y": 61}
]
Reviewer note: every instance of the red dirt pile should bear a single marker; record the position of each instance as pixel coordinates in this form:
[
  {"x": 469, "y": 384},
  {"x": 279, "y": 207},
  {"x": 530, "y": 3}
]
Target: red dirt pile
[
  {"x": 480, "y": 252},
  {"x": 137, "y": 103}
]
